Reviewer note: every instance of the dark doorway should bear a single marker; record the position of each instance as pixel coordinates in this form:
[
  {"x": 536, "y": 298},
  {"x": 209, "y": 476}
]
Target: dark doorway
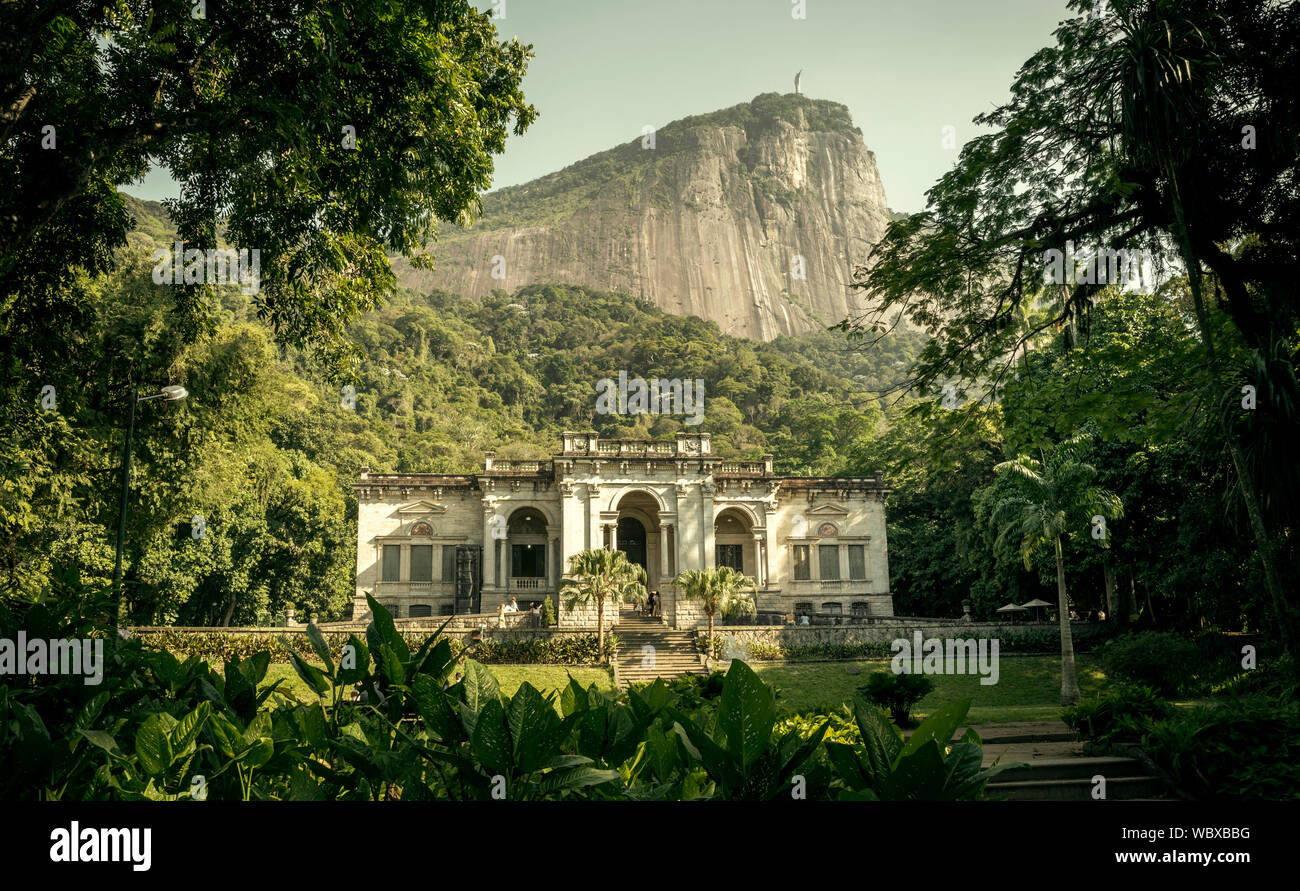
[
  {"x": 469, "y": 578},
  {"x": 732, "y": 555},
  {"x": 631, "y": 540}
]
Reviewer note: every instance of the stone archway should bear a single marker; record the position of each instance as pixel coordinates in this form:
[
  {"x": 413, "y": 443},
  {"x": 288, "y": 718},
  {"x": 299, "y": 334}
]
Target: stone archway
[
  {"x": 735, "y": 543},
  {"x": 527, "y": 561},
  {"x": 639, "y": 533}
]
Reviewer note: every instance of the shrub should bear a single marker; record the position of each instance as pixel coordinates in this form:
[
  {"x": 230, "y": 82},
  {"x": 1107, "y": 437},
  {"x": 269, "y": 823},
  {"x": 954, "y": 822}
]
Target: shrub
[
  {"x": 1279, "y": 678},
  {"x": 1164, "y": 661},
  {"x": 897, "y": 693},
  {"x": 548, "y": 612},
  {"x": 1118, "y": 716},
  {"x": 1245, "y": 749}
]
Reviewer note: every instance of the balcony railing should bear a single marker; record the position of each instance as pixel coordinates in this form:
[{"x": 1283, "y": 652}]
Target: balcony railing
[{"x": 536, "y": 584}]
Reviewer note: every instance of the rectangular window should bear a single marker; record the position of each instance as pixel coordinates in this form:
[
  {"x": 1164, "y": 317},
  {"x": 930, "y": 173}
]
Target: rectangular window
[
  {"x": 828, "y": 556},
  {"x": 421, "y": 563},
  {"x": 801, "y": 563},
  {"x": 857, "y": 561},
  {"x": 449, "y": 563},
  {"x": 732, "y": 555},
  {"x": 528, "y": 561},
  {"x": 392, "y": 569}
]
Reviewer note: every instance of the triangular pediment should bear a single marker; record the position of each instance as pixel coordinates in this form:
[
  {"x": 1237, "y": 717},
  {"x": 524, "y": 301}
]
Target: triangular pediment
[
  {"x": 827, "y": 510},
  {"x": 422, "y": 508}
]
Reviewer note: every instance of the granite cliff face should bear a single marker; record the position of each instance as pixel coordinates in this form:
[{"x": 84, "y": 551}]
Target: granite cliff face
[{"x": 752, "y": 217}]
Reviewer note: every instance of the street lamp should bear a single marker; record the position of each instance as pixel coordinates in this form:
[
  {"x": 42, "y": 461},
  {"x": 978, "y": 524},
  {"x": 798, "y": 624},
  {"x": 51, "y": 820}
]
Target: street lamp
[{"x": 173, "y": 393}]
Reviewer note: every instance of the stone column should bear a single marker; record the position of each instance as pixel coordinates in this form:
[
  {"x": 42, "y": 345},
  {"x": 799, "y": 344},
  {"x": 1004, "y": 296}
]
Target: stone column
[
  {"x": 708, "y": 545},
  {"x": 760, "y": 560},
  {"x": 489, "y": 547}
]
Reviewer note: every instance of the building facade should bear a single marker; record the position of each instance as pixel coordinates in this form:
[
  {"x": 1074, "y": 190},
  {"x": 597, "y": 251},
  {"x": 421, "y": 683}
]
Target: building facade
[{"x": 438, "y": 544}]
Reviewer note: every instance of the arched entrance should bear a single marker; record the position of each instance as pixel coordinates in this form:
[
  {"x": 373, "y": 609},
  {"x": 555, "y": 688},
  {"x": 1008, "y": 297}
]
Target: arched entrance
[
  {"x": 526, "y": 557},
  {"x": 631, "y": 541},
  {"x": 735, "y": 544},
  {"x": 639, "y": 534}
]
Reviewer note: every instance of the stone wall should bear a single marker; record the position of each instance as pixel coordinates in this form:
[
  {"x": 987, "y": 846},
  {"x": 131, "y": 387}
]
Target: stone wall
[{"x": 739, "y": 637}]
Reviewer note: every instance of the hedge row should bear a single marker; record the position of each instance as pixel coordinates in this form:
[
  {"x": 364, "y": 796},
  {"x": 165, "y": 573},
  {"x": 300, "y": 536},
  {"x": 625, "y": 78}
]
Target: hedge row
[
  {"x": 1028, "y": 642},
  {"x": 222, "y": 646}
]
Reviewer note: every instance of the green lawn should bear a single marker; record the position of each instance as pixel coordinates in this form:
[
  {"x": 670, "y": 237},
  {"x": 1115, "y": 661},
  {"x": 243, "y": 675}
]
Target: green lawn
[{"x": 1028, "y": 687}]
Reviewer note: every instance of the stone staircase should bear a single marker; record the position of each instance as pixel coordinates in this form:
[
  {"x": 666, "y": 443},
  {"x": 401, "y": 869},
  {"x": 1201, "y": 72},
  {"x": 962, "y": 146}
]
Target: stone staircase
[
  {"x": 1057, "y": 770},
  {"x": 673, "y": 655}
]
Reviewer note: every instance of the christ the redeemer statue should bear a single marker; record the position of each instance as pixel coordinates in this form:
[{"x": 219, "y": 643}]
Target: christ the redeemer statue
[{"x": 797, "y": 78}]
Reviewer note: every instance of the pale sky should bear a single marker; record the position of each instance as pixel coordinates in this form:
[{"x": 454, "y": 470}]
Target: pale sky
[{"x": 905, "y": 69}]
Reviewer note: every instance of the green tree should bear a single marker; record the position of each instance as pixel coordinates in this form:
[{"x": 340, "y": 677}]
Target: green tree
[
  {"x": 1057, "y": 499},
  {"x": 1158, "y": 126},
  {"x": 719, "y": 590},
  {"x": 602, "y": 576},
  {"x": 327, "y": 136}
]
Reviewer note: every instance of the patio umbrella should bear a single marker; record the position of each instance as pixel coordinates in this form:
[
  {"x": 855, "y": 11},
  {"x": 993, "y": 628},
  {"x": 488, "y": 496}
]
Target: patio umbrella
[
  {"x": 1036, "y": 604},
  {"x": 1011, "y": 608}
]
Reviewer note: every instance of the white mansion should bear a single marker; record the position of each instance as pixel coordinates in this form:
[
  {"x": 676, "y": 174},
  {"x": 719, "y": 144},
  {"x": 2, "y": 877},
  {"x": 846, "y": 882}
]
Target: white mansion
[{"x": 437, "y": 544}]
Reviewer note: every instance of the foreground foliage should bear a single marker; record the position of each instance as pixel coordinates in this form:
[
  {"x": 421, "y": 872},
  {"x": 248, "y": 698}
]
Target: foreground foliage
[{"x": 431, "y": 726}]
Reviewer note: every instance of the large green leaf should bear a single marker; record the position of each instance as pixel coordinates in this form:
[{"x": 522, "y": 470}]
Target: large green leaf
[
  {"x": 573, "y": 698},
  {"x": 491, "y": 740},
  {"x": 361, "y": 661},
  {"x": 90, "y": 711},
  {"x": 310, "y": 674},
  {"x": 184, "y": 733},
  {"x": 747, "y": 714},
  {"x": 918, "y": 776},
  {"x": 717, "y": 761},
  {"x": 383, "y": 631},
  {"x": 153, "y": 747},
  {"x": 390, "y": 664},
  {"x": 939, "y": 727},
  {"x": 479, "y": 685},
  {"x": 259, "y": 752},
  {"x": 848, "y": 766},
  {"x": 881, "y": 740},
  {"x": 103, "y": 740},
  {"x": 575, "y": 778},
  {"x": 229, "y": 738},
  {"x": 436, "y": 709},
  {"x": 532, "y": 720},
  {"x": 321, "y": 648}
]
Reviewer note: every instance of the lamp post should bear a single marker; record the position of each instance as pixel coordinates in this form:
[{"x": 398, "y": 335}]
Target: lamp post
[{"x": 167, "y": 394}]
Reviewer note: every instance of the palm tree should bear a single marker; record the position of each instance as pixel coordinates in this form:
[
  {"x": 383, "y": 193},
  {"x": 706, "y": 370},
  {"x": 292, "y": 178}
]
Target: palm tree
[
  {"x": 600, "y": 575},
  {"x": 720, "y": 590},
  {"x": 1057, "y": 498}
]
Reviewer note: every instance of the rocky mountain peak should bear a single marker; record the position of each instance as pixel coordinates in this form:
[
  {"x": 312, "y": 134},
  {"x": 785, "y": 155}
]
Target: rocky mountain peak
[{"x": 752, "y": 216}]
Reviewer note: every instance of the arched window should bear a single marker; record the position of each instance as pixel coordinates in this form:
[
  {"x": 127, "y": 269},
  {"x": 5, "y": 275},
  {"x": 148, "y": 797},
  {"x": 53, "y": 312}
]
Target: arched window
[
  {"x": 421, "y": 611},
  {"x": 527, "y": 522},
  {"x": 833, "y": 609},
  {"x": 861, "y": 608}
]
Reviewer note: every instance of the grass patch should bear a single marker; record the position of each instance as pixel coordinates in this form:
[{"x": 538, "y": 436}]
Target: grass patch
[{"x": 1028, "y": 687}]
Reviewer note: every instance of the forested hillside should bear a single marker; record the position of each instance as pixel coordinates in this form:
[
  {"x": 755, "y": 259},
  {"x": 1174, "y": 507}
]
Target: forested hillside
[{"x": 265, "y": 448}]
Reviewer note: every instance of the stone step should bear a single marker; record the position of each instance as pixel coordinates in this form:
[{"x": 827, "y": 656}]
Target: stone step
[
  {"x": 661, "y": 660},
  {"x": 1073, "y": 769},
  {"x": 1117, "y": 789}
]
